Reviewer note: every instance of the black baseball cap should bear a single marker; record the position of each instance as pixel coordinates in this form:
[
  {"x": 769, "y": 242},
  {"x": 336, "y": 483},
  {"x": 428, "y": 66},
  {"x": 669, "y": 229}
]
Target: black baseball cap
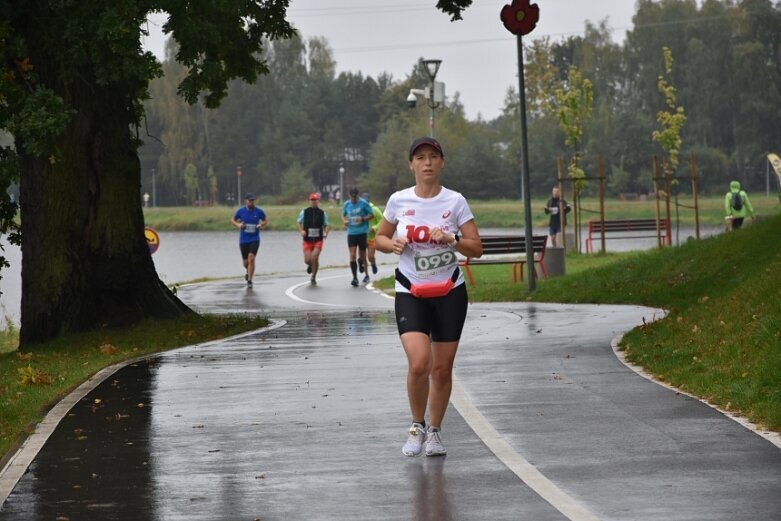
[
  {"x": 430, "y": 141},
  {"x": 353, "y": 191},
  {"x": 250, "y": 196}
]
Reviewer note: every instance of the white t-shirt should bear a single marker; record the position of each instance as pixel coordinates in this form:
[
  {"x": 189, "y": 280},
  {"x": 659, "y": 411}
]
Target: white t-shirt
[{"x": 423, "y": 260}]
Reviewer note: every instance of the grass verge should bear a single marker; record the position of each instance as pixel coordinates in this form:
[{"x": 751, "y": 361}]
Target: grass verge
[
  {"x": 30, "y": 383},
  {"x": 488, "y": 214}
]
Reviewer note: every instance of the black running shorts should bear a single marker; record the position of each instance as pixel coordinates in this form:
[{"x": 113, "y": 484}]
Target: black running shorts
[
  {"x": 441, "y": 317},
  {"x": 359, "y": 239},
  {"x": 249, "y": 247}
]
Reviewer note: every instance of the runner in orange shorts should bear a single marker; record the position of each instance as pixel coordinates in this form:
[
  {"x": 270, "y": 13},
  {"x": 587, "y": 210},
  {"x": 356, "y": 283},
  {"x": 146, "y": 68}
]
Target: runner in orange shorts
[{"x": 313, "y": 226}]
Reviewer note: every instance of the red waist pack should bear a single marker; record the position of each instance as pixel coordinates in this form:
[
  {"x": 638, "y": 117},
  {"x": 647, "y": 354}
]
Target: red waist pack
[{"x": 431, "y": 289}]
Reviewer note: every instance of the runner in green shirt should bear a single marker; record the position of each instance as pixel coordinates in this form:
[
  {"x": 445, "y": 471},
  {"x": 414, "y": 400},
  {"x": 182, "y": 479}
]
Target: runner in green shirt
[{"x": 373, "y": 224}]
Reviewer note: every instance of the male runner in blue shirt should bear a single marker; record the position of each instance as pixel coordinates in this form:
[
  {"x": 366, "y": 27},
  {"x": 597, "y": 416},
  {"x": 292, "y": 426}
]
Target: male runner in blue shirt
[
  {"x": 356, "y": 214},
  {"x": 249, "y": 219}
]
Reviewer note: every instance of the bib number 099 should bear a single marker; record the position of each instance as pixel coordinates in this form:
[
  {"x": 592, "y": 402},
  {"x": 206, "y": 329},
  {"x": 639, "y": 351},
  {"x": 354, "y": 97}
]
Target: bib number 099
[{"x": 432, "y": 262}]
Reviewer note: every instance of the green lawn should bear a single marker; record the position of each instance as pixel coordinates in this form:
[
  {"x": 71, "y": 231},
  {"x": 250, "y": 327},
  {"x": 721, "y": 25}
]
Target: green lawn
[{"x": 488, "y": 214}]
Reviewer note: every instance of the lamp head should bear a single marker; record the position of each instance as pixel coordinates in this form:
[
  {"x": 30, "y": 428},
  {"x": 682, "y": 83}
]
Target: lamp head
[{"x": 432, "y": 68}]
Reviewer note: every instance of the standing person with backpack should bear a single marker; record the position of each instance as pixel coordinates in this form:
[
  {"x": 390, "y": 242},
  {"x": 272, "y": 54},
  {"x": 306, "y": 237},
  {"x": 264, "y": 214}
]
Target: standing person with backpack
[{"x": 737, "y": 205}]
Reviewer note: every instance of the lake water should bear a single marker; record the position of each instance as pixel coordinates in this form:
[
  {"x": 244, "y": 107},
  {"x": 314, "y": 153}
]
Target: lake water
[{"x": 185, "y": 256}]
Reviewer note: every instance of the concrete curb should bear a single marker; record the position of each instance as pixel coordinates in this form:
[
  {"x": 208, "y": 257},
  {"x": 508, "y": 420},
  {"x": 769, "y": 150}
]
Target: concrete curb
[{"x": 772, "y": 437}]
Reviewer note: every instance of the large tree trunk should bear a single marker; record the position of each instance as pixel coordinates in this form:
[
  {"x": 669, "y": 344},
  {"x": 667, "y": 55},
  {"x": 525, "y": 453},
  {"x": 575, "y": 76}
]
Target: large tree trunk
[{"x": 85, "y": 261}]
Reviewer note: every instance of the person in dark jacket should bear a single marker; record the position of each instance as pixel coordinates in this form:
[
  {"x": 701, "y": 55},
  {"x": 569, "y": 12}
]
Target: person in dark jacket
[{"x": 554, "y": 207}]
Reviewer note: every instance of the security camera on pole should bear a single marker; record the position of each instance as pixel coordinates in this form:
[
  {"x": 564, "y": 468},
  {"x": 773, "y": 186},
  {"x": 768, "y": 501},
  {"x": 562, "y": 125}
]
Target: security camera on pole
[{"x": 434, "y": 93}]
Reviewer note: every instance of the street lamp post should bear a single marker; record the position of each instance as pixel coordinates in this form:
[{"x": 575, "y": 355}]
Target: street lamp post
[
  {"x": 238, "y": 182},
  {"x": 154, "y": 189},
  {"x": 767, "y": 176},
  {"x": 341, "y": 183},
  {"x": 432, "y": 68}
]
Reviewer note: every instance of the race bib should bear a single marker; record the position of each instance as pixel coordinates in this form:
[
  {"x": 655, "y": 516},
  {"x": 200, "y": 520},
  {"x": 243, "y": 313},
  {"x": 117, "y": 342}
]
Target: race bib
[
  {"x": 356, "y": 219},
  {"x": 313, "y": 232},
  {"x": 554, "y": 210},
  {"x": 250, "y": 228},
  {"x": 435, "y": 261}
]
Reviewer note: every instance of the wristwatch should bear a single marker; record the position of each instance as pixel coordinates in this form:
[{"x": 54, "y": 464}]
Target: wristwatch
[{"x": 456, "y": 238}]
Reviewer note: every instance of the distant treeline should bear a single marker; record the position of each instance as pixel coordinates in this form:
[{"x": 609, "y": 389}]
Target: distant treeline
[{"x": 292, "y": 131}]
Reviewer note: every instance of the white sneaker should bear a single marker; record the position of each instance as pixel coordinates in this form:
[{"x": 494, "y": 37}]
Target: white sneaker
[
  {"x": 434, "y": 445},
  {"x": 414, "y": 445}
]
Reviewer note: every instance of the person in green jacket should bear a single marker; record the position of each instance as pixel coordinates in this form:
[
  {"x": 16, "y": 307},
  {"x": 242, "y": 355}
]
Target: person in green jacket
[
  {"x": 373, "y": 224},
  {"x": 737, "y": 205}
]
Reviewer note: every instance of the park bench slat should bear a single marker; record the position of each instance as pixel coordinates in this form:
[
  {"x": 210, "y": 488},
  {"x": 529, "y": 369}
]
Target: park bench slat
[
  {"x": 628, "y": 227},
  {"x": 508, "y": 249}
]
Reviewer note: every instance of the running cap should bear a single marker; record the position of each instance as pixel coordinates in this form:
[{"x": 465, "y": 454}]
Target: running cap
[
  {"x": 250, "y": 196},
  {"x": 353, "y": 191},
  {"x": 313, "y": 196},
  {"x": 365, "y": 195},
  {"x": 421, "y": 141}
]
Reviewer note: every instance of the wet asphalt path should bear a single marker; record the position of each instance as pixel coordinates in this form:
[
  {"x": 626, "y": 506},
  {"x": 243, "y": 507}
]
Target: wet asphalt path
[{"x": 306, "y": 421}]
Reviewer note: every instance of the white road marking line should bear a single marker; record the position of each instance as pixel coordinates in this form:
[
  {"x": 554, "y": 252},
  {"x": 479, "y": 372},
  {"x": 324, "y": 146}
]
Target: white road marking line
[
  {"x": 290, "y": 292},
  {"x": 559, "y": 499},
  {"x": 517, "y": 464}
]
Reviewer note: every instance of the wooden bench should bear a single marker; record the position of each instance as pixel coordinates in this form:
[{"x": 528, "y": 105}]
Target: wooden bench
[
  {"x": 508, "y": 249},
  {"x": 629, "y": 229}
]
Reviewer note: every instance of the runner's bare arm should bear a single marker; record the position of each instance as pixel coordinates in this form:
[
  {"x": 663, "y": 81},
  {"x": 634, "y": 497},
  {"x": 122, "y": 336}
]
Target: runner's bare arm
[
  {"x": 384, "y": 240},
  {"x": 469, "y": 244}
]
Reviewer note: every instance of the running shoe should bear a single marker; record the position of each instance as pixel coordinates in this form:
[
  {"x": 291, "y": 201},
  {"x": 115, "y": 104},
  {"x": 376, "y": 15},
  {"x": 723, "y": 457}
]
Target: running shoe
[
  {"x": 354, "y": 282},
  {"x": 360, "y": 265},
  {"x": 374, "y": 269},
  {"x": 313, "y": 282},
  {"x": 414, "y": 445},
  {"x": 366, "y": 279},
  {"x": 434, "y": 445},
  {"x": 246, "y": 276},
  {"x": 309, "y": 268},
  {"x": 249, "y": 283}
]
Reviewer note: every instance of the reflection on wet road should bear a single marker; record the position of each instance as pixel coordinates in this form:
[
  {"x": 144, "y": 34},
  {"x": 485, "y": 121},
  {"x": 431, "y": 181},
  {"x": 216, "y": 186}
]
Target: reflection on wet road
[{"x": 305, "y": 420}]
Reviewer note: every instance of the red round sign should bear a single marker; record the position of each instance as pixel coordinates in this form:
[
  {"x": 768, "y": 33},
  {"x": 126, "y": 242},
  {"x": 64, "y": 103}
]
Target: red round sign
[{"x": 520, "y": 17}]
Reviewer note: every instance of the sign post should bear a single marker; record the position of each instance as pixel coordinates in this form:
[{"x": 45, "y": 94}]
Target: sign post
[{"x": 521, "y": 18}]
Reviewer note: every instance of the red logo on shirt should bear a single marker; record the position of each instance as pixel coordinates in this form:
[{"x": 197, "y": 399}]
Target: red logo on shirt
[
  {"x": 408, "y": 213},
  {"x": 446, "y": 214}
]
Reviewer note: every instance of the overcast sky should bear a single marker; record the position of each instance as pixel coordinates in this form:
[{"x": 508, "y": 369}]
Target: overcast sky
[{"x": 479, "y": 58}]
